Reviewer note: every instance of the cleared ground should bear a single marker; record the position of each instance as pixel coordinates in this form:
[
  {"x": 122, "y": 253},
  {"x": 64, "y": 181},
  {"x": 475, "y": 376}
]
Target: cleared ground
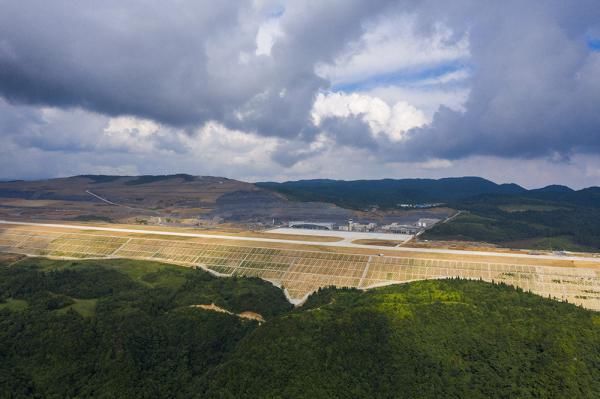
[
  {"x": 301, "y": 269},
  {"x": 348, "y": 236},
  {"x": 283, "y": 242},
  {"x": 378, "y": 243}
]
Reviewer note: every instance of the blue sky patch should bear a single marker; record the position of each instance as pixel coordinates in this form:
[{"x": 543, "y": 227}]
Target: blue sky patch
[
  {"x": 594, "y": 44},
  {"x": 401, "y": 78}
]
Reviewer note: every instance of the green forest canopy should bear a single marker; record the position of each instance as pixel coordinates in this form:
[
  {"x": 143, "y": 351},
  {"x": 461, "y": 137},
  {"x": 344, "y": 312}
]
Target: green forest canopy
[{"x": 120, "y": 328}]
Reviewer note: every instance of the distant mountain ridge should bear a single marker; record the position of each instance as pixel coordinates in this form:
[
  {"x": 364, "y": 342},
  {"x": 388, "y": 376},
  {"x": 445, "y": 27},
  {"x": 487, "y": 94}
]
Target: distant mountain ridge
[
  {"x": 553, "y": 188},
  {"x": 356, "y": 194},
  {"x": 388, "y": 193}
]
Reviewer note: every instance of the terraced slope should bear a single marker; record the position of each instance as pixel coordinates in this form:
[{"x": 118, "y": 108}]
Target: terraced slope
[{"x": 301, "y": 272}]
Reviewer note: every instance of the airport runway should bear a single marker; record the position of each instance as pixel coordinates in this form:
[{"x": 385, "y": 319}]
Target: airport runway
[
  {"x": 347, "y": 236},
  {"x": 342, "y": 244}
]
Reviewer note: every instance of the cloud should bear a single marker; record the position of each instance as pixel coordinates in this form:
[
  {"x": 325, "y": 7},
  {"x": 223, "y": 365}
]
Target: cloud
[
  {"x": 50, "y": 128},
  {"x": 277, "y": 88},
  {"x": 530, "y": 79},
  {"x": 216, "y": 150},
  {"x": 381, "y": 119},
  {"x": 182, "y": 65},
  {"x": 350, "y": 131},
  {"x": 531, "y": 90},
  {"x": 427, "y": 99},
  {"x": 455, "y": 76},
  {"x": 266, "y": 36},
  {"x": 434, "y": 164},
  {"x": 391, "y": 48}
]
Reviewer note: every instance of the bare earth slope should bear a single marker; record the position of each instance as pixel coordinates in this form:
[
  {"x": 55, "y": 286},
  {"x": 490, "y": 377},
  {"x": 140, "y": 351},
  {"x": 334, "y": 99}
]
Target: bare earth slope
[
  {"x": 171, "y": 199},
  {"x": 135, "y": 191},
  {"x": 301, "y": 269}
]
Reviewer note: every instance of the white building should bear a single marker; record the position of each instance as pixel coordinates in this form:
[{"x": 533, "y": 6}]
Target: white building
[
  {"x": 401, "y": 228},
  {"x": 426, "y": 222},
  {"x": 353, "y": 226},
  {"x": 300, "y": 224}
]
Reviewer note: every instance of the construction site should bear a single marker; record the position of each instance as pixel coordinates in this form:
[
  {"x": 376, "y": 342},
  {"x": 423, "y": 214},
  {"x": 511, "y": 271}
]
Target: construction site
[{"x": 301, "y": 267}]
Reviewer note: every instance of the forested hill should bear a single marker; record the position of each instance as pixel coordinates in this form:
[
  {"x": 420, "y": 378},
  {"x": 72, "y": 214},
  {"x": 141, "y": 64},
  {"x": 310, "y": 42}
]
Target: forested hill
[
  {"x": 427, "y": 339},
  {"x": 389, "y": 193},
  {"x": 132, "y": 329}
]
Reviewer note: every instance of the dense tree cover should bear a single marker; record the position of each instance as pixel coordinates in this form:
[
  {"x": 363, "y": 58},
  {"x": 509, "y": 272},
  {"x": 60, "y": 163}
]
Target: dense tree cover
[
  {"x": 524, "y": 222},
  {"x": 388, "y": 193},
  {"x": 554, "y": 217},
  {"x": 135, "y": 336},
  {"x": 430, "y": 339}
]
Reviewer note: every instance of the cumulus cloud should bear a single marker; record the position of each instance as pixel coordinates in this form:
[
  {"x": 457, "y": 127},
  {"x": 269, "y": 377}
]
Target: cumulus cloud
[
  {"x": 531, "y": 91},
  {"x": 183, "y": 65},
  {"x": 380, "y": 117},
  {"x": 427, "y": 99}
]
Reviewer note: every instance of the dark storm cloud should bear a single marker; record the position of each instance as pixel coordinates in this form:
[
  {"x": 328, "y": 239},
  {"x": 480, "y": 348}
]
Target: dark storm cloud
[
  {"x": 351, "y": 131},
  {"x": 141, "y": 58},
  {"x": 534, "y": 90},
  {"x": 31, "y": 127},
  {"x": 180, "y": 63}
]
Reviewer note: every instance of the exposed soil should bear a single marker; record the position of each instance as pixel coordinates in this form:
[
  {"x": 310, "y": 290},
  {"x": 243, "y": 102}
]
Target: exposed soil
[
  {"x": 177, "y": 200},
  {"x": 385, "y": 243},
  {"x": 244, "y": 315}
]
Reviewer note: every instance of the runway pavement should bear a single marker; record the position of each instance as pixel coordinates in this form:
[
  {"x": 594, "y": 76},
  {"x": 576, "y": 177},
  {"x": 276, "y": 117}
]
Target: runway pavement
[{"x": 341, "y": 244}]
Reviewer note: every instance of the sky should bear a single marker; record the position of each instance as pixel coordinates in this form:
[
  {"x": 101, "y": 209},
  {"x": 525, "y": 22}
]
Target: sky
[{"x": 285, "y": 90}]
